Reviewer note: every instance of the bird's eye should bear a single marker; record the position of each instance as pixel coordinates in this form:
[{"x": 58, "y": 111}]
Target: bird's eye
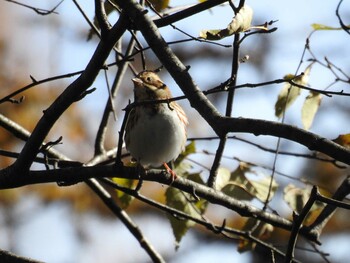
[{"x": 149, "y": 79}]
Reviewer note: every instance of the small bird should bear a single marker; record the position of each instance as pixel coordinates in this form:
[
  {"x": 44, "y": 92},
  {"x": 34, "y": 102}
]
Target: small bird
[{"x": 155, "y": 133}]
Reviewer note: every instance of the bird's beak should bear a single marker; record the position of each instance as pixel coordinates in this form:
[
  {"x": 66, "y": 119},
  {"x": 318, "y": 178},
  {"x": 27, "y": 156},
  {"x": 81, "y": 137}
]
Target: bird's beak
[{"x": 137, "y": 81}]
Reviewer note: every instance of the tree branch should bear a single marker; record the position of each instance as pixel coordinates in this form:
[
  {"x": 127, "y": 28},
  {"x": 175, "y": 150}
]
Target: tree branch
[
  {"x": 8, "y": 257},
  {"x": 327, "y": 212},
  {"x": 78, "y": 174},
  {"x": 297, "y": 223},
  {"x": 170, "y": 61},
  {"x": 310, "y": 140},
  {"x": 127, "y": 221},
  {"x": 167, "y": 20},
  {"x": 69, "y": 96}
]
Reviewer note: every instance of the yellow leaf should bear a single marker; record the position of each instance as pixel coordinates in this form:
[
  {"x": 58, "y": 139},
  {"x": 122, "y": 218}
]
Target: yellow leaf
[
  {"x": 324, "y": 27},
  {"x": 262, "y": 188},
  {"x": 124, "y": 198},
  {"x": 343, "y": 140},
  {"x": 309, "y": 109},
  {"x": 240, "y": 187},
  {"x": 297, "y": 197},
  {"x": 289, "y": 92},
  {"x": 286, "y": 97},
  {"x": 160, "y": 5},
  {"x": 223, "y": 177},
  {"x": 240, "y": 23}
]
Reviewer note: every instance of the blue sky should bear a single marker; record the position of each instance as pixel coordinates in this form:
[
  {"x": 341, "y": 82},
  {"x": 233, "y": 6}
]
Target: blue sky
[{"x": 48, "y": 234}]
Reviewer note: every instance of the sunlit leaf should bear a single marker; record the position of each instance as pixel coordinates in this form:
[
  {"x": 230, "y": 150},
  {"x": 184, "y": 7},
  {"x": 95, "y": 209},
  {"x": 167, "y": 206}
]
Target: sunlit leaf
[
  {"x": 297, "y": 197},
  {"x": 189, "y": 149},
  {"x": 289, "y": 92},
  {"x": 240, "y": 23},
  {"x": 309, "y": 109},
  {"x": 237, "y": 191},
  {"x": 343, "y": 140},
  {"x": 239, "y": 186},
  {"x": 159, "y": 5},
  {"x": 262, "y": 188},
  {"x": 182, "y": 167},
  {"x": 324, "y": 27},
  {"x": 258, "y": 229},
  {"x": 201, "y": 204},
  {"x": 286, "y": 97},
  {"x": 223, "y": 177},
  {"x": 124, "y": 199}
]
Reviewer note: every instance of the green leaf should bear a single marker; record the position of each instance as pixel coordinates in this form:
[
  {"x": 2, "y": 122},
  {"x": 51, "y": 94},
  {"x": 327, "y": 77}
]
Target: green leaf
[
  {"x": 309, "y": 109},
  {"x": 181, "y": 167},
  {"x": 324, "y": 27},
  {"x": 124, "y": 199},
  {"x": 186, "y": 203},
  {"x": 240, "y": 23},
  {"x": 189, "y": 149},
  {"x": 289, "y": 92}
]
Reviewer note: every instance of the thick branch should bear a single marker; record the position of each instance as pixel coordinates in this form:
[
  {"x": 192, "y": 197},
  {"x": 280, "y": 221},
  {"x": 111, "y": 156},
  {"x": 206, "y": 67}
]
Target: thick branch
[
  {"x": 127, "y": 221},
  {"x": 310, "y": 140},
  {"x": 79, "y": 174},
  {"x": 167, "y": 20},
  {"x": 69, "y": 96},
  {"x": 170, "y": 61}
]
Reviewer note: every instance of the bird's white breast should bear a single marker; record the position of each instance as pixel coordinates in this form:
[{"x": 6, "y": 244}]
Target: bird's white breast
[{"x": 157, "y": 138}]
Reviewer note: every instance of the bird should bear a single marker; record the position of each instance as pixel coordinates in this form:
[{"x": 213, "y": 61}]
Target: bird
[{"x": 155, "y": 133}]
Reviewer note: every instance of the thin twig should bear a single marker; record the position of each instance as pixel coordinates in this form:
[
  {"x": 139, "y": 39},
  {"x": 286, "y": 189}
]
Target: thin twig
[
  {"x": 100, "y": 136},
  {"x": 344, "y": 27},
  {"x": 297, "y": 223},
  {"x": 344, "y": 189},
  {"x": 124, "y": 217},
  {"x": 229, "y": 105},
  {"x": 188, "y": 12},
  {"x": 182, "y": 215},
  {"x": 37, "y": 10}
]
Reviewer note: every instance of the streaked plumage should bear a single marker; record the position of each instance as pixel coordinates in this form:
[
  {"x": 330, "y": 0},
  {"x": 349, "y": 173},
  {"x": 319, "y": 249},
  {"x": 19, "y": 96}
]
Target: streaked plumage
[{"x": 155, "y": 133}]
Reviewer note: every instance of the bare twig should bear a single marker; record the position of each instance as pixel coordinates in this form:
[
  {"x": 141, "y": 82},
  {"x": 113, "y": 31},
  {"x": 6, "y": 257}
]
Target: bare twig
[
  {"x": 344, "y": 27},
  {"x": 68, "y": 97},
  {"x": 297, "y": 223},
  {"x": 99, "y": 141},
  {"x": 167, "y": 20},
  {"x": 127, "y": 221},
  {"x": 216, "y": 229},
  {"x": 317, "y": 226},
  {"x": 37, "y": 10},
  {"x": 229, "y": 104}
]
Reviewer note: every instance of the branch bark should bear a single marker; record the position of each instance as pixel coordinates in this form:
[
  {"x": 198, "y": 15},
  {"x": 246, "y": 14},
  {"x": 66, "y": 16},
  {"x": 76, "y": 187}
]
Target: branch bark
[{"x": 68, "y": 97}]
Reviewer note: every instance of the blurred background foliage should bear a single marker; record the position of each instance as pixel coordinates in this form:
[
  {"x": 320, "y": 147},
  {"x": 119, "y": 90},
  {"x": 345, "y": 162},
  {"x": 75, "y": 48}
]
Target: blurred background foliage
[{"x": 45, "y": 46}]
